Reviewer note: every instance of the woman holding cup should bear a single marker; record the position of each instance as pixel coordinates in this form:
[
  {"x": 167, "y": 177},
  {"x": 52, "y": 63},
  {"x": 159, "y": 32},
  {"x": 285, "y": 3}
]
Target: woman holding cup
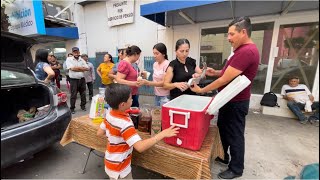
[
  {"x": 181, "y": 70},
  {"x": 128, "y": 75},
  {"x": 159, "y": 70}
]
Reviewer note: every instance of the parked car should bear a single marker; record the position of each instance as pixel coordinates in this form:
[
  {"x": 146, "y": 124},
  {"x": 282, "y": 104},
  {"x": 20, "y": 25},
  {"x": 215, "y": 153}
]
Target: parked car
[{"x": 21, "y": 90}]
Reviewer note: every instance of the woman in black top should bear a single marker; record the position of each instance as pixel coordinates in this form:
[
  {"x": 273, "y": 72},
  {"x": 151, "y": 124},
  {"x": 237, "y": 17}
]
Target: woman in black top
[{"x": 181, "y": 70}]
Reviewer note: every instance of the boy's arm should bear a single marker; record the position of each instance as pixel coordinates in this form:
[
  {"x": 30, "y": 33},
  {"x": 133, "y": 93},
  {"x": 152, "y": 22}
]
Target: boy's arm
[
  {"x": 101, "y": 132},
  {"x": 143, "y": 145}
]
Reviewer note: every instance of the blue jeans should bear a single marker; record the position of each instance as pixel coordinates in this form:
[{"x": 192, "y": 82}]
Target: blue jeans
[
  {"x": 158, "y": 99},
  {"x": 296, "y": 108}
]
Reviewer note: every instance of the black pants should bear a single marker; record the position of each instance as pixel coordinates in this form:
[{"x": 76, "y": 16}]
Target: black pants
[
  {"x": 231, "y": 123},
  {"x": 135, "y": 101},
  {"x": 78, "y": 85},
  {"x": 90, "y": 88}
]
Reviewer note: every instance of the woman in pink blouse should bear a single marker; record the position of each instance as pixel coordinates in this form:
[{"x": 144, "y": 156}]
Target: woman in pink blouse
[
  {"x": 159, "y": 70},
  {"x": 128, "y": 75}
]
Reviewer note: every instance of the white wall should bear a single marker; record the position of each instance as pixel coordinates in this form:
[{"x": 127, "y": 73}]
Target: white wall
[
  {"x": 101, "y": 37},
  {"x": 97, "y": 36}
]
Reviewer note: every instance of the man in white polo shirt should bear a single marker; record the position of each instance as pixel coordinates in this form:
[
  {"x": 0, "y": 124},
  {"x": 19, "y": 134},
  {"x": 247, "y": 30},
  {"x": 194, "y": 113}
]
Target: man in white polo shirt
[
  {"x": 76, "y": 66},
  {"x": 297, "y": 96}
]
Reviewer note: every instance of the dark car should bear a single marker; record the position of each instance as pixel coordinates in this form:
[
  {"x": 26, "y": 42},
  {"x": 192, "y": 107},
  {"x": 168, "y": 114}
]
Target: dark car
[{"x": 21, "y": 91}]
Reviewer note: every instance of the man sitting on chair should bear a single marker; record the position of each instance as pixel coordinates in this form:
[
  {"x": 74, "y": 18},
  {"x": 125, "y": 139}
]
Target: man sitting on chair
[{"x": 300, "y": 98}]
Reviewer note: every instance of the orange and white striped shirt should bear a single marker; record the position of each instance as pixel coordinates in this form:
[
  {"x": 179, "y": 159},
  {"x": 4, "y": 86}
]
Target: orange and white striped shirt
[{"x": 121, "y": 136}]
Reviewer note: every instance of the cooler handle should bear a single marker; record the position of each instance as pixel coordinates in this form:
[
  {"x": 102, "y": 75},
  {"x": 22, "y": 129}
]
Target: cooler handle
[{"x": 186, "y": 115}]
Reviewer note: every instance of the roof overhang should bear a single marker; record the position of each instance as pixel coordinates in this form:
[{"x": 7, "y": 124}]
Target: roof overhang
[
  {"x": 57, "y": 35},
  {"x": 178, "y": 12},
  {"x": 27, "y": 18}
]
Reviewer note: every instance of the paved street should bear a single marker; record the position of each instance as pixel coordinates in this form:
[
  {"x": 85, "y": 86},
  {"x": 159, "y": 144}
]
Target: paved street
[{"x": 275, "y": 148}]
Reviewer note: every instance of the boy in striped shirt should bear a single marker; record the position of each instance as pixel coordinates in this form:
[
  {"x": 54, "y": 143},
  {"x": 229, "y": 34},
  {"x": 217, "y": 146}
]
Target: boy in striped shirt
[{"x": 121, "y": 134}]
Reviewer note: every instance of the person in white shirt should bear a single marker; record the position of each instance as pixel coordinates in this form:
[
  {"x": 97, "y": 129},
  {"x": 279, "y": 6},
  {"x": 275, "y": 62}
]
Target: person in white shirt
[
  {"x": 299, "y": 98},
  {"x": 89, "y": 76},
  {"x": 67, "y": 71},
  {"x": 77, "y": 66}
]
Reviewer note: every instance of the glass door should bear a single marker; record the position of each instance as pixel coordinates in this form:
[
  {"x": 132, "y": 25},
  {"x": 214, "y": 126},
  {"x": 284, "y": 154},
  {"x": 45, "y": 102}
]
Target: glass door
[{"x": 298, "y": 55}]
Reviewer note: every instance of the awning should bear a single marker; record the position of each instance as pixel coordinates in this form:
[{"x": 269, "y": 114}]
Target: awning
[
  {"x": 33, "y": 19},
  {"x": 178, "y": 12}
]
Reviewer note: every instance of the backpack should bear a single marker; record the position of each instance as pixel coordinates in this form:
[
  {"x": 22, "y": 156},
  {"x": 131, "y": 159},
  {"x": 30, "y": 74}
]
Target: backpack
[{"x": 269, "y": 99}]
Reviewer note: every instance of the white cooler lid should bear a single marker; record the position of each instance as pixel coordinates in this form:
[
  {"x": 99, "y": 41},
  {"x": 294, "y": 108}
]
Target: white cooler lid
[
  {"x": 229, "y": 92},
  {"x": 189, "y": 102}
]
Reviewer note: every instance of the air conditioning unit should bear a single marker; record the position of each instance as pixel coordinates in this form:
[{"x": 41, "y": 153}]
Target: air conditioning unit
[{"x": 51, "y": 9}]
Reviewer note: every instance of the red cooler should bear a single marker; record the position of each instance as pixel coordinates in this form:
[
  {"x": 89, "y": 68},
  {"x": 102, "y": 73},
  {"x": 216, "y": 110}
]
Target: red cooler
[{"x": 189, "y": 113}]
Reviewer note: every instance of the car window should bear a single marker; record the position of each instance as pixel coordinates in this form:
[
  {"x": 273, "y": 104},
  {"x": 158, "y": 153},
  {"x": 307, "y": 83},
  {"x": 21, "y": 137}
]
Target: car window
[{"x": 14, "y": 78}]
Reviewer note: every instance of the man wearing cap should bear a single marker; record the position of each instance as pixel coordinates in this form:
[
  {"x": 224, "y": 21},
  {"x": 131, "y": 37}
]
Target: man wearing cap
[{"x": 77, "y": 66}]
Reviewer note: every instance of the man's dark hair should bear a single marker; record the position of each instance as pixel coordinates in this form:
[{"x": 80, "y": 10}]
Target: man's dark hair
[
  {"x": 84, "y": 55},
  {"x": 116, "y": 94},
  {"x": 293, "y": 77},
  {"x": 242, "y": 23}
]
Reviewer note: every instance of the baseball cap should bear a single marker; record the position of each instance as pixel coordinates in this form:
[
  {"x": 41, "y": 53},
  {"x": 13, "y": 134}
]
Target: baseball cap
[{"x": 75, "y": 49}]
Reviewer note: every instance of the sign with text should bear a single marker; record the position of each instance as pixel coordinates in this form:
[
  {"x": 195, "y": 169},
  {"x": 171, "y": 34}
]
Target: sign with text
[
  {"x": 22, "y": 17},
  {"x": 120, "y": 12}
]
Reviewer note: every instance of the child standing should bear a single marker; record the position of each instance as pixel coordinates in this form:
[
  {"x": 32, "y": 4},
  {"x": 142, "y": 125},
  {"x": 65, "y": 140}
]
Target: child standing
[{"x": 122, "y": 136}]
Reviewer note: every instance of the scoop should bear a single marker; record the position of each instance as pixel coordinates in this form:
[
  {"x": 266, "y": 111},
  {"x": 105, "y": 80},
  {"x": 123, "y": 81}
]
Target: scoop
[{"x": 203, "y": 74}]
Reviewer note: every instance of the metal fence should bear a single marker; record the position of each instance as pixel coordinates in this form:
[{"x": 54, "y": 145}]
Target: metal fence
[{"x": 148, "y": 66}]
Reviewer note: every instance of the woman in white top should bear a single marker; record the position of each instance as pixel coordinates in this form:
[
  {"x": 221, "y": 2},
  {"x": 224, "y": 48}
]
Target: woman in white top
[{"x": 159, "y": 70}]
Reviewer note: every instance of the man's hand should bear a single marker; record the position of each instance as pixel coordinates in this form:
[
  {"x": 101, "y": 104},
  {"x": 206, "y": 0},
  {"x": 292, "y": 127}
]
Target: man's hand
[
  {"x": 196, "y": 75},
  {"x": 210, "y": 72},
  {"x": 290, "y": 98},
  {"x": 311, "y": 98},
  {"x": 195, "y": 88}
]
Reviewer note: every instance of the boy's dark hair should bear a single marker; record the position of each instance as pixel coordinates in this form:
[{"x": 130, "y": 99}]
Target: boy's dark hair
[
  {"x": 242, "y": 23},
  {"x": 116, "y": 94}
]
